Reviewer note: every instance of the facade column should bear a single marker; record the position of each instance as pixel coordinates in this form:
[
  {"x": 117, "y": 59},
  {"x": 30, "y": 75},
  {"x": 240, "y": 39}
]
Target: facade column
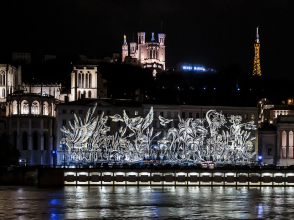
[
  {"x": 287, "y": 145},
  {"x": 41, "y": 108},
  {"x": 50, "y": 141},
  {"x": 18, "y": 107},
  {"x": 42, "y": 134},
  {"x": 30, "y": 145},
  {"x": 19, "y": 136}
]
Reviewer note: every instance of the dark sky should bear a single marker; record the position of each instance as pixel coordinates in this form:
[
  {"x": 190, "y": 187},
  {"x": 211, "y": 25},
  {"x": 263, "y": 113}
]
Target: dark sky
[{"x": 212, "y": 32}]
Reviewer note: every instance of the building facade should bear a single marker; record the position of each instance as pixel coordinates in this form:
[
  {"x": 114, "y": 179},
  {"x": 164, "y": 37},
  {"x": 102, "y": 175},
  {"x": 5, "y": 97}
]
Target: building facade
[
  {"x": 10, "y": 79},
  {"x": 80, "y": 107},
  {"x": 30, "y": 125},
  {"x": 87, "y": 80}
]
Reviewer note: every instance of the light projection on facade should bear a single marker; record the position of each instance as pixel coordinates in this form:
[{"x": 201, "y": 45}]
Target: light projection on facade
[{"x": 213, "y": 138}]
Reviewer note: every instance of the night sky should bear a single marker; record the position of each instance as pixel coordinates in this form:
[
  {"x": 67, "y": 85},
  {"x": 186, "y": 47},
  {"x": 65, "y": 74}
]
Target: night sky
[{"x": 214, "y": 33}]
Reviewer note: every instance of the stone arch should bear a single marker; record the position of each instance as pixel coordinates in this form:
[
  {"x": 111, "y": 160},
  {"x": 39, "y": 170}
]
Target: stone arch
[
  {"x": 3, "y": 93},
  {"x": 14, "y": 107},
  {"x": 35, "y": 108},
  {"x": 25, "y": 107},
  {"x": 89, "y": 94},
  {"x": 24, "y": 141},
  {"x": 79, "y": 94},
  {"x": 45, "y": 108},
  {"x": 35, "y": 140}
]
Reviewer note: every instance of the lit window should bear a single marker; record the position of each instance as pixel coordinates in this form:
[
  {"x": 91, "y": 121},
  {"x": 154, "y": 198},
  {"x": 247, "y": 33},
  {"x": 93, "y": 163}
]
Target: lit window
[
  {"x": 252, "y": 116},
  {"x": 136, "y": 113}
]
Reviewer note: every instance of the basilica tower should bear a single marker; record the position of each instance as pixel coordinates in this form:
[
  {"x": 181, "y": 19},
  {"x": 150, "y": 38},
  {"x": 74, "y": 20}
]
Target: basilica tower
[
  {"x": 256, "y": 68},
  {"x": 125, "y": 51}
]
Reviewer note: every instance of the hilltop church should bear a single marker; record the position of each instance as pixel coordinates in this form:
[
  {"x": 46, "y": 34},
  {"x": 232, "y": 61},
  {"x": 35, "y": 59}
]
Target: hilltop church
[{"x": 150, "y": 54}]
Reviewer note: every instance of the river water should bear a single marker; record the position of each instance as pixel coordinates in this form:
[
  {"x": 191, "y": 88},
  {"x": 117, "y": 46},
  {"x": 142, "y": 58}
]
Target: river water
[{"x": 72, "y": 202}]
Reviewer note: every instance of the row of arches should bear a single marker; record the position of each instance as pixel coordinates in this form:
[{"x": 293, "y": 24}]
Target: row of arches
[
  {"x": 36, "y": 141},
  {"x": 87, "y": 94},
  {"x": 85, "y": 80},
  {"x": 34, "y": 108}
]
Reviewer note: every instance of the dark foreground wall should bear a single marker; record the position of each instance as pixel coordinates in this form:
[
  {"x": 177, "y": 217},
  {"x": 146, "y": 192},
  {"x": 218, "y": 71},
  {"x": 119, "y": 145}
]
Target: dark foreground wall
[{"x": 19, "y": 176}]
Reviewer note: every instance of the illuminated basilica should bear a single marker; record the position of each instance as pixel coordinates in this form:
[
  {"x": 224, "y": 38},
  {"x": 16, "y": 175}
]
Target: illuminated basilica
[{"x": 147, "y": 54}]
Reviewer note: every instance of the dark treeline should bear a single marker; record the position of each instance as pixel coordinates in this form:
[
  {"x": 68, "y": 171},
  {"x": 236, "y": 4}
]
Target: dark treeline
[{"x": 229, "y": 86}]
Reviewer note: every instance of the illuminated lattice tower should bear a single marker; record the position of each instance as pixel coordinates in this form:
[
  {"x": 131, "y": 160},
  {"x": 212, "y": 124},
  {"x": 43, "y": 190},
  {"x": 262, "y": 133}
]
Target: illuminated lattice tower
[{"x": 256, "y": 68}]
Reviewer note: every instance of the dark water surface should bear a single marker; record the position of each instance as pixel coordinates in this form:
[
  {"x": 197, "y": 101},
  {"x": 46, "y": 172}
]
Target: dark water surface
[{"x": 146, "y": 203}]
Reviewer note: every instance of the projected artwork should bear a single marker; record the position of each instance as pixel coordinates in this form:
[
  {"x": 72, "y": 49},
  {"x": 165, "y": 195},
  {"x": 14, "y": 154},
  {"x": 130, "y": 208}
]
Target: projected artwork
[{"x": 213, "y": 138}]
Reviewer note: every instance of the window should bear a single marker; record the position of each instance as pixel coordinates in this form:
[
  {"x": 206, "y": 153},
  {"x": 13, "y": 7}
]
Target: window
[
  {"x": 63, "y": 122},
  {"x": 252, "y": 116},
  {"x": 269, "y": 151},
  {"x": 161, "y": 114},
  {"x": 72, "y": 121},
  {"x": 108, "y": 112},
  {"x": 136, "y": 113},
  {"x": 197, "y": 115},
  {"x": 246, "y": 116},
  {"x": 176, "y": 114},
  {"x": 99, "y": 112},
  {"x": 127, "y": 112},
  {"x": 183, "y": 115},
  {"x": 204, "y": 115},
  {"x": 63, "y": 111},
  {"x": 80, "y": 111},
  {"x": 72, "y": 111},
  {"x": 190, "y": 115}
]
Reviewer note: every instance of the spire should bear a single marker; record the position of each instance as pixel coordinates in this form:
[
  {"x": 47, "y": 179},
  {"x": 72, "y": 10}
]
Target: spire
[
  {"x": 152, "y": 39},
  {"x": 125, "y": 40},
  {"x": 257, "y": 36}
]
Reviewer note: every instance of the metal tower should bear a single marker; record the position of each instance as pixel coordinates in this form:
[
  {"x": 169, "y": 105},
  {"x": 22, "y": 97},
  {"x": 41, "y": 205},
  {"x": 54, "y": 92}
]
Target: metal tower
[{"x": 256, "y": 68}]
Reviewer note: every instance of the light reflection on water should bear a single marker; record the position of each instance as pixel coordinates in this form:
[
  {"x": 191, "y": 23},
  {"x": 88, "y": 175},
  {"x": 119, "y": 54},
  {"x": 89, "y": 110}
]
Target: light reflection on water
[{"x": 146, "y": 202}]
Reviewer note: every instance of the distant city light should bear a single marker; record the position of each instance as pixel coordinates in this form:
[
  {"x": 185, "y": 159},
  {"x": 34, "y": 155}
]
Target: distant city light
[
  {"x": 214, "y": 88},
  {"x": 204, "y": 88},
  {"x": 238, "y": 89},
  {"x": 197, "y": 68}
]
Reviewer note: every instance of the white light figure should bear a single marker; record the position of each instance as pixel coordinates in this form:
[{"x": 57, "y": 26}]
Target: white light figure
[{"x": 194, "y": 141}]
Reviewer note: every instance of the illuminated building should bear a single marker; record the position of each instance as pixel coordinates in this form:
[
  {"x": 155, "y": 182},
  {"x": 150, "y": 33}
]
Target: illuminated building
[
  {"x": 256, "y": 68},
  {"x": 87, "y": 80},
  {"x": 10, "y": 78},
  {"x": 125, "y": 50},
  {"x": 149, "y": 54},
  {"x": 30, "y": 121}
]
